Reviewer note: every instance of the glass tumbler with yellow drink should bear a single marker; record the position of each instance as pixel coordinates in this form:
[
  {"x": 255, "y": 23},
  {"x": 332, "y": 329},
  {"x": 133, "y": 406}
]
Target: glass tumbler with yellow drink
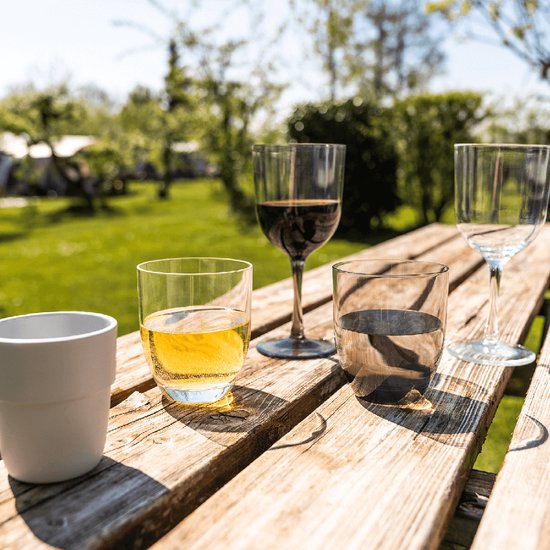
[{"x": 195, "y": 324}]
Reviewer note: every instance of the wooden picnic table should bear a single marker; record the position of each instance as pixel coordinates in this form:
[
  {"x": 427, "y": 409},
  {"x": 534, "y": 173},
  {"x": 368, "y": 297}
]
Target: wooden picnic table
[{"x": 297, "y": 461}]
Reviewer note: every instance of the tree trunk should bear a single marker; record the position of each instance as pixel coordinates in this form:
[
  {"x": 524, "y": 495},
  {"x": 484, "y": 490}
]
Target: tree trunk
[
  {"x": 425, "y": 206},
  {"x": 331, "y": 60},
  {"x": 164, "y": 186}
]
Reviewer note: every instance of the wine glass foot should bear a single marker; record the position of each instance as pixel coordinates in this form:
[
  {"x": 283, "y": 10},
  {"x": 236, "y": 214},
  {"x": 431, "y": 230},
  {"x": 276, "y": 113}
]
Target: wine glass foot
[
  {"x": 491, "y": 354},
  {"x": 292, "y": 348}
]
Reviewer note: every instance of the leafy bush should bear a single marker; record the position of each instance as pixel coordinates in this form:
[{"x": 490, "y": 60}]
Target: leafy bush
[
  {"x": 370, "y": 188},
  {"x": 428, "y": 127}
]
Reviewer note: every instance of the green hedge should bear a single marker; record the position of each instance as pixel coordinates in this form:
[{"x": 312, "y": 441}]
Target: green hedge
[
  {"x": 395, "y": 155},
  {"x": 428, "y": 126},
  {"x": 370, "y": 189}
]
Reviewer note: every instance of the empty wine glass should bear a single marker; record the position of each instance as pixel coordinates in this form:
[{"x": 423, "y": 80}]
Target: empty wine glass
[
  {"x": 501, "y": 197},
  {"x": 298, "y": 203}
]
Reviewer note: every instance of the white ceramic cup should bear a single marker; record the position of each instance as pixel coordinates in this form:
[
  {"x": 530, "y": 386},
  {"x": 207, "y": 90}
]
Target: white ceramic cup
[{"x": 56, "y": 370}]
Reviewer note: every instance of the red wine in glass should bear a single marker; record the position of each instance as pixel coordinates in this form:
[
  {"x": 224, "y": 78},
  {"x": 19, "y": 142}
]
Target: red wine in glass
[
  {"x": 298, "y": 203},
  {"x": 299, "y": 227}
]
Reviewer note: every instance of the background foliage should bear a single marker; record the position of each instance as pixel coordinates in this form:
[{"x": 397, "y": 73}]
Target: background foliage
[
  {"x": 428, "y": 125},
  {"x": 370, "y": 189}
]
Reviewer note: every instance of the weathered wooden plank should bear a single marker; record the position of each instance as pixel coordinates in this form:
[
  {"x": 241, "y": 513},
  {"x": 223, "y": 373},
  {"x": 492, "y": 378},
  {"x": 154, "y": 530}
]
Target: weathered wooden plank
[
  {"x": 518, "y": 513},
  {"x": 272, "y": 305},
  {"x": 470, "y": 509},
  {"x": 356, "y": 475},
  {"x": 163, "y": 460}
]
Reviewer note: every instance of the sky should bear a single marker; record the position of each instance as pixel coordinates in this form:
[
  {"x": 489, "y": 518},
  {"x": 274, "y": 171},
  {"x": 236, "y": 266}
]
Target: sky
[{"x": 46, "y": 41}]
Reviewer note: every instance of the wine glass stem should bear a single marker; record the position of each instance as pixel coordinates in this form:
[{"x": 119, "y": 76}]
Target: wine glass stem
[
  {"x": 492, "y": 333},
  {"x": 297, "y": 329}
]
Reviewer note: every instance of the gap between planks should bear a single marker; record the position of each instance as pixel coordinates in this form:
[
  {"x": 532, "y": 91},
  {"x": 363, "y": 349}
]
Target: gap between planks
[{"x": 469, "y": 511}]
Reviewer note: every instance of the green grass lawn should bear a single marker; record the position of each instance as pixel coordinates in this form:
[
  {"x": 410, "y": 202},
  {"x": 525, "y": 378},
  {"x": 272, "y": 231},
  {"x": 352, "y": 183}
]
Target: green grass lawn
[{"x": 52, "y": 261}]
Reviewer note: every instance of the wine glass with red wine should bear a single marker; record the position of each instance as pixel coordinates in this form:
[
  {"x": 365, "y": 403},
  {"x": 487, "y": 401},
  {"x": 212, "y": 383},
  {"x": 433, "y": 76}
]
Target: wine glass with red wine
[{"x": 298, "y": 203}]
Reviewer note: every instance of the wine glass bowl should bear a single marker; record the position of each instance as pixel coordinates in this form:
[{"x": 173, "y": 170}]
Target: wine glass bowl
[
  {"x": 501, "y": 199},
  {"x": 298, "y": 203}
]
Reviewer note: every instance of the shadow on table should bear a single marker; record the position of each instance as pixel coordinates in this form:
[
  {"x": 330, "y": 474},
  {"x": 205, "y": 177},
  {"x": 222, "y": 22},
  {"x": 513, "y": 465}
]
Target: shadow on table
[
  {"x": 452, "y": 412},
  {"x": 75, "y": 513},
  {"x": 240, "y": 415},
  {"x": 315, "y": 434},
  {"x": 540, "y": 436}
]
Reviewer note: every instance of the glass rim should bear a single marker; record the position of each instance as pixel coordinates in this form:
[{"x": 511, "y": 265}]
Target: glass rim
[
  {"x": 282, "y": 146},
  {"x": 245, "y": 266},
  {"x": 438, "y": 268},
  {"x": 502, "y": 146}
]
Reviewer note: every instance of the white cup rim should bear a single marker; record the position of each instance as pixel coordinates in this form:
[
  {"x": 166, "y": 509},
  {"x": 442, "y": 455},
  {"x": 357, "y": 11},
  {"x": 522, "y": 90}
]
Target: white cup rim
[{"x": 110, "y": 324}]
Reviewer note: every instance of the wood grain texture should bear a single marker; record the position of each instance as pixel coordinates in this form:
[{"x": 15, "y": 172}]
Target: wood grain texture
[
  {"x": 133, "y": 373},
  {"x": 162, "y": 460},
  {"x": 518, "y": 514},
  {"x": 357, "y": 475},
  {"x": 272, "y": 305}
]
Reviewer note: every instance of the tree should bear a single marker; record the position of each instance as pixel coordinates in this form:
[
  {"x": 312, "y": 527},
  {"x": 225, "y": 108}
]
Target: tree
[
  {"x": 170, "y": 108},
  {"x": 521, "y": 26},
  {"x": 394, "y": 48},
  {"x": 330, "y": 22},
  {"x": 43, "y": 117},
  {"x": 177, "y": 101},
  {"x": 229, "y": 85},
  {"x": 231, "y": 106},
  {"x": 370, "y": 188},
  {"x": 429, "y": 125},
  {"x": 140, "y": 121},
  {"x": 159, "y": 120},
  {"x": 379, "y": 47},
  {"x": 523, "y": 121}
]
